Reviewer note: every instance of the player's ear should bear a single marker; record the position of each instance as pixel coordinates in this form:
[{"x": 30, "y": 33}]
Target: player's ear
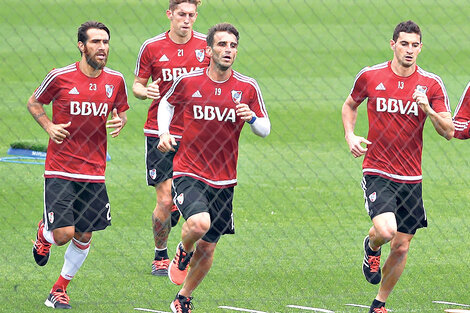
[
  {"x": 209, "y": 51},
  {"x": 81, "y": 47},
  {"x": 392, "y": 44},
  {"x": 169, "y": 14}
]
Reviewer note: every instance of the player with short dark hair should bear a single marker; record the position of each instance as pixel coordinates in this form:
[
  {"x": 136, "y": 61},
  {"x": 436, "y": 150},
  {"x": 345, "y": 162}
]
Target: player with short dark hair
[
  {"x": 401, "y": 95},
  {"x": 76, "y": 204},
  {"x": 163, "y": 58},
  {"x": 216, "y": 103}
]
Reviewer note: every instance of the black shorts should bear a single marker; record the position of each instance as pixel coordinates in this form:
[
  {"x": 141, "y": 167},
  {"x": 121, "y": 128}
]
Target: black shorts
[
  {"x": 80, "y": 204},
  {"x": 159, "y": 165},
  {"x": 192, "y": 196},
  {"x": 405, "y": 200}
]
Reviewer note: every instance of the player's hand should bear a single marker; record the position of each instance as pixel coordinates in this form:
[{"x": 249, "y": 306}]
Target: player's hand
[
  {"x": 244, "y": 112},
  {"x": 355, "y": 146},
  {"x": 58, "y": 132},
  {"x": 422, "y": 100},
  {"x": 153, "y": 90},
  {"x": 166, "y": 143},
  {"x": 115, "y": 122}
]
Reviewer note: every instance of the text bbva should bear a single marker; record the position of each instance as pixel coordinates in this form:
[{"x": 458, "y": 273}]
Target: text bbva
[
  {"x": 210, "y": 113},
  {"x": 391, "y": 105},
  {"x": 88, "y": 108}
]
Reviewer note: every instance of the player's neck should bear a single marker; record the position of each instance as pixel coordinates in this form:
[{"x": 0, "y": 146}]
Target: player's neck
[
  {"x": 88, "y": 70},
  {"x": 178, "y": 39},
  {"x": 217, "y": 74},
  {"x": 401, "y": 70}
]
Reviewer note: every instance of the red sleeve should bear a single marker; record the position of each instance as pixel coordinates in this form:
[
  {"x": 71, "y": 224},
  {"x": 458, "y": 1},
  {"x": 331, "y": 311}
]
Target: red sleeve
[
  {"x": 359, "y": 89},
  {"x": 121, "y": 98},
  {"x": 462, "y": 115},
  {"x": 438, "y": 98},
  {"x": 48, "y": 89},
  {"x": 256, "y": 102},
  {"x": 144, "y": 62}
]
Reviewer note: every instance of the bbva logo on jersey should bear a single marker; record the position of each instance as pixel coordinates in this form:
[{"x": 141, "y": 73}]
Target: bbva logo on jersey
[
  {"x": 169, "y": 74},
  {"x": 391, "y": 105},
  {"x": 210, "y": 113},
  {"x": 88, "y": 108}
]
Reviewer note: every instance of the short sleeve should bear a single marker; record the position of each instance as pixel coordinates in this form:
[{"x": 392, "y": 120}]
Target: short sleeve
[{"x": 359, "y": 89}]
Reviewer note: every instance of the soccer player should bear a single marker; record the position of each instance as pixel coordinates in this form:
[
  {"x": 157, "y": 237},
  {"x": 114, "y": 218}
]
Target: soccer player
[
  {"x": 164, "y": 58},
  {"x": 83, "y": 95},
  {"x": 401, "y": 95},
  {"x": 216, "y": 103},
  {"x": 462, "y": 116}
]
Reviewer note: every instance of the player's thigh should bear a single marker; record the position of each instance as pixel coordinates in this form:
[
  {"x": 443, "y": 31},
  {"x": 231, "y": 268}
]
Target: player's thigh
[
  {"x": 190, "y": 196},
  {"x": 159, "y": 165},
  {"x": 379, "y": 195},
  {"x": 92, "y": 210},
  {"x": 164, "y": 196},
  {"x": 59, "y": 197},
  {"x": 221, "y": 212},
  {"x": 411, "y": 214}
]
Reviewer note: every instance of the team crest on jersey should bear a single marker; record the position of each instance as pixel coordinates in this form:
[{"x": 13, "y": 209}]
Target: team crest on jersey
[
  {"x": 199, "y": 54},
  {"x": 180, "y": 198},
  {"x": 373, "y": 196},
  {"x": 236, "y": 96},
  {"x": 153, "y": 173},
  {"x": 50, "y": 215},
  {"x": 422, "y": 89},
  {"x": 109, "y": 90}
]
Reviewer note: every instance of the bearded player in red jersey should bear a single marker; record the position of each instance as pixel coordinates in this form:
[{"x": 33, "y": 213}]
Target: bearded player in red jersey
[
  {"x": 76, "y": 203},
  {"x": 216, "y": 103},
  {"x": 401, "y": 96},
  {"x": 462, "y": 115},
  {"x": 164, "y": 58}
]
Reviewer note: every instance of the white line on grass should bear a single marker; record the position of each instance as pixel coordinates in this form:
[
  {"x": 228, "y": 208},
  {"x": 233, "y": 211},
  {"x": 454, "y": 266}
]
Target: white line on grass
[
  {"x": 358, "y": 305},
  {"x": 309, "y": 308},
  {"x": 239, "y": 309},
  {"x": 149, "y": 310},
  {"x": 451, "y": 303},
  {"x": 456, "y": 311}
]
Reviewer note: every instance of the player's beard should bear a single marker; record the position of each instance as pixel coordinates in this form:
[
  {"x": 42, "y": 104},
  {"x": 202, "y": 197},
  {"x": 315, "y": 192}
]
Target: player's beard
[{"x": 91, "y": 60}]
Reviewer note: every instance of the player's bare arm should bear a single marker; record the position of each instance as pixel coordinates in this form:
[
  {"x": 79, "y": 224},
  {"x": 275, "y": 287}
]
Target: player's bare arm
[
  {"x": 142, "y": 91},
  {"x": 349, "y": 114},
  {"x": 441, "y": 121},
  {"x": 57, "y": 132},
  {"x": 117, "y": 121}
]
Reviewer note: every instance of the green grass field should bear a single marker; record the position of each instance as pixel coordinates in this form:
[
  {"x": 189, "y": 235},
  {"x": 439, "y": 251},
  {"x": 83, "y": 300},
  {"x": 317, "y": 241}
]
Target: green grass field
[{"x": 299, "y": 212}]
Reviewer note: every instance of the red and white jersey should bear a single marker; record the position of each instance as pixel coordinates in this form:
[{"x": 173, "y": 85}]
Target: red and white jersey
[
  {"x": 160, "y": 57},
  {"x": 462, "y": 115},
  {"x": 86, "y": 102},
  {"x": 209, "y": 148},
  {"x": 395, "y": 120}
]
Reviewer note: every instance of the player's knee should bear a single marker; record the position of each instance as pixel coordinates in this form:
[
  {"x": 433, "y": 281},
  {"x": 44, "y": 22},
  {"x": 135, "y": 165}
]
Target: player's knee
[
  {"x": 387, "y": 233},
  {"x": 199, "y": 224},
  {"x": 165, "y": 203},
  {"x": 63, "y": 235},
  {"x": 400, "y": 249},
  {"x": 83, "y": 237},
  {"x": 206, "y": 250}
]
